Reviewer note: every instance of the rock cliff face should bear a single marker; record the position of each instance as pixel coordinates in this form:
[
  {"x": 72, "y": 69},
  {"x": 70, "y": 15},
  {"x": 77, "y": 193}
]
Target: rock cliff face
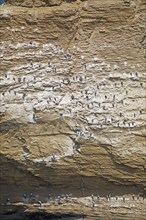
[
  {"x": 38, "y": 3},
  {"x": 72, "y": 97}
]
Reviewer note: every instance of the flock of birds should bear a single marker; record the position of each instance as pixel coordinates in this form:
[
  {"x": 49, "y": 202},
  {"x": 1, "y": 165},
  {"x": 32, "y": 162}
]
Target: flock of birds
[
  {"x": 64, "y": 198},
  {"x": 98, "y": 96},
  {"x": 93, "y": 92}
]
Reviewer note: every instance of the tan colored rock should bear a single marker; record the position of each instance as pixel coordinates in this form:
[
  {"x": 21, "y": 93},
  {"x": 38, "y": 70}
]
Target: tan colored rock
[
  {"x": 73, "y": 86},
  {"x": 37, "y": 3}
]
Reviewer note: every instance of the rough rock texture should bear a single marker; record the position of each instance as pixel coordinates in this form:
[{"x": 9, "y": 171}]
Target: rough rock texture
[
  {"x": 38, "y": 3},
  {"x": 72, "y": 97},
  {"x": 80, "y": 208}
]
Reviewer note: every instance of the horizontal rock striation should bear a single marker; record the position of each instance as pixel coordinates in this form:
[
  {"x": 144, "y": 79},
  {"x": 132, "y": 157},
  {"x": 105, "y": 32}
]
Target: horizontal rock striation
[
  {"x": 39, "y": 3},
  {"x": 72, "y": 97}
]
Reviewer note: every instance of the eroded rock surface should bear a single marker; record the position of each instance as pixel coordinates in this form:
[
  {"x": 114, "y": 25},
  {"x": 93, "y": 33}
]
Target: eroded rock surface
[{"x": 72, "y": 97}]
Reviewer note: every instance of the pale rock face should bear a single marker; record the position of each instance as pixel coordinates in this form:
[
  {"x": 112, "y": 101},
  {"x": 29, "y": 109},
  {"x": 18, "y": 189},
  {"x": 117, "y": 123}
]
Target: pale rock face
[{"x": 73, "y": 97}]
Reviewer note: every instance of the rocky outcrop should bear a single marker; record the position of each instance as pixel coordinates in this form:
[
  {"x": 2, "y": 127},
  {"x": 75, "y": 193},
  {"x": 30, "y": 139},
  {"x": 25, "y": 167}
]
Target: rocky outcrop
[
  {"x": 72, "y": 97},
  {"x": 39, "y": 3},
  {"x": 78, "y": 208}
]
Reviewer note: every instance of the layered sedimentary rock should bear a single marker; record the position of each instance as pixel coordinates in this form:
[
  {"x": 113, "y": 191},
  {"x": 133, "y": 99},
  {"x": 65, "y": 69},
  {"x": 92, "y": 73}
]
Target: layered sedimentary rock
[
  {"x": 38, "y": 3},
  {"x": 72, "y": 97}
]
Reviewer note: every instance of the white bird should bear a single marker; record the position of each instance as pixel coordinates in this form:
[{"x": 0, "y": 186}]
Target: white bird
[
  {"x": 95, "y": 59},
  {"x": 115, "y": 67}
]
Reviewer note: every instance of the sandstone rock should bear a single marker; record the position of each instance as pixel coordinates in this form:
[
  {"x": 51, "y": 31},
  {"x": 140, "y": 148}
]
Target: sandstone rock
[
  {"x": 53, "y": 2},
  {"x": 37, "y": 3},
  {"x": 73, "y": 87}
]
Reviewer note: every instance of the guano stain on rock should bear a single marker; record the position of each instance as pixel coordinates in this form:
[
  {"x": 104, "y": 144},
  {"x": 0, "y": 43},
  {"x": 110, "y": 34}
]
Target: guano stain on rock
[{"x": 72, "y": 97}]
